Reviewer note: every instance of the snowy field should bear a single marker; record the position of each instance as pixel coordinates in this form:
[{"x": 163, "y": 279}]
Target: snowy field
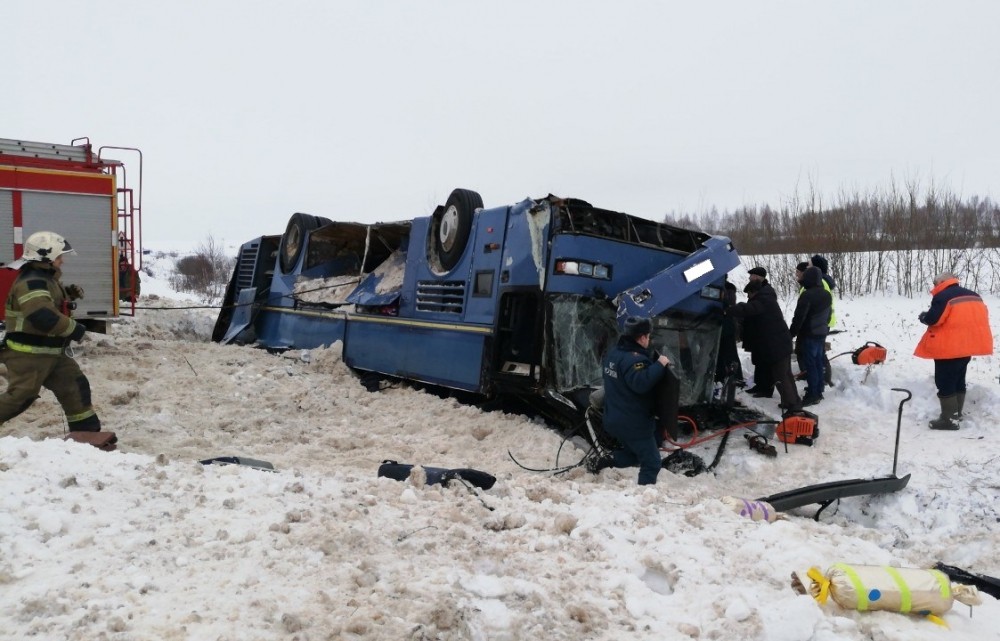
[{"x": 147, "y": 544}]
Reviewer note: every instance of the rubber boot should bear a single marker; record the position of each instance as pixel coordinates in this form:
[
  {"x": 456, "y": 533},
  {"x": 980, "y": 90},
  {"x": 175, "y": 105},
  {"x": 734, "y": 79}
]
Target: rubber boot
[
  {"x": 949, "y": 413},
  {"x": 89, "y": 424},
  {"x": 961, "y": 403}
]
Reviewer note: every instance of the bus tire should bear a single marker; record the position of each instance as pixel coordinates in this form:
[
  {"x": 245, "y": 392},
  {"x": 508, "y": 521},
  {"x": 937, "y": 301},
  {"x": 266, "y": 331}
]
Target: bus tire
[
  {"x": 452, "y": 224},
  {"x": 294, "y": 239}
]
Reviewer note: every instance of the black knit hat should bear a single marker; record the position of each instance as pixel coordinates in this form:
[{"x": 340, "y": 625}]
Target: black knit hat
[
  {"x": 758, "y": 271},
  {"x": 819, "y": 261},
  {"x": 801, "y": 267},
  {"x": 636, "y": 326}
]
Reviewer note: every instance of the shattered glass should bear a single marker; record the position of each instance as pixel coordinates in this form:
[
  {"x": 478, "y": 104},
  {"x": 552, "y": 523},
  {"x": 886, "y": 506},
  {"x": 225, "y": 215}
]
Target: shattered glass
[
  {"x": 692, "y": 345},
  {"x": 583, "y": 330}
]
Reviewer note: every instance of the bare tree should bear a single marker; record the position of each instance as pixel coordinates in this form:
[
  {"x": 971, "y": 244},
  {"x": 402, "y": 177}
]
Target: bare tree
[{"x": 206, "y": 272}]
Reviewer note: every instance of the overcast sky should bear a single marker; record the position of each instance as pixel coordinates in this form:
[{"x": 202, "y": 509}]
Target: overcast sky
[{"x": 249, "y": 111}]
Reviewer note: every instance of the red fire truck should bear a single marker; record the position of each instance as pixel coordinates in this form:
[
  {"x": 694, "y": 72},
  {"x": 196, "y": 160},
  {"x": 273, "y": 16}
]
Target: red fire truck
[{"x": 85, "y": 197}]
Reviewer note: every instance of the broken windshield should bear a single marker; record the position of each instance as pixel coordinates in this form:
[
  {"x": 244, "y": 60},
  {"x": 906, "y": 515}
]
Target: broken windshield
[
  {"x": 583, "y": 330},
  {"x": 692, "y": 345}
]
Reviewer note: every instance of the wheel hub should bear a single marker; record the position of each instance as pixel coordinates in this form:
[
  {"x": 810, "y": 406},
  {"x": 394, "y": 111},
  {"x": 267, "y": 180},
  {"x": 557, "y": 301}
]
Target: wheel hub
[
  {"x": 294, "y": 238},
  {"x": 449, "y": 228}
]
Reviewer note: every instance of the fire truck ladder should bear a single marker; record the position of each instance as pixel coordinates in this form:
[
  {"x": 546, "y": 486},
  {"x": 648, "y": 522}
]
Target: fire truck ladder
[
  {"x": 129, "y": 228},
  {"x": 28, "y": 153}
]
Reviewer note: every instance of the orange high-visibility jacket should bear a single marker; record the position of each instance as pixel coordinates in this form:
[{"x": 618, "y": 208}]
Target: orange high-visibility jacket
[{"x": 962, "y": 326}]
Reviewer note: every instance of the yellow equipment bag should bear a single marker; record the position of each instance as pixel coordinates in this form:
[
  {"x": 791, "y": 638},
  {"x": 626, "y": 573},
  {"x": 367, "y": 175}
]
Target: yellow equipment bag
[{"x": 873, "y": 587}]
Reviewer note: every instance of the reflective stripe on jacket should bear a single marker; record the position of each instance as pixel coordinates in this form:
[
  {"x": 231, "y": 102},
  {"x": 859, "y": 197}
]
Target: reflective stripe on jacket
[
  {"x": 33, "y": 349},
  {"x": 34, "y": 310},
  {"x": 814, "y": 307},
  {"x": 959, "y": 324},
  {"x": 833, "y": 300}
]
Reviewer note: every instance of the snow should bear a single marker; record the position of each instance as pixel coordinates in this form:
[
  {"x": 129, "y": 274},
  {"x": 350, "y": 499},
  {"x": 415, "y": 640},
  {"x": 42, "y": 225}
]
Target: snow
[
  {"x": 331, "y": 290},
  {"x": 146, "y": 543}
]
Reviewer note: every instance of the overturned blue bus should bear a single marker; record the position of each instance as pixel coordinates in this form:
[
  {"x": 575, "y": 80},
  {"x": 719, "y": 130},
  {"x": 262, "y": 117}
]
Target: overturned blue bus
[{"x": 517, "y": 301}]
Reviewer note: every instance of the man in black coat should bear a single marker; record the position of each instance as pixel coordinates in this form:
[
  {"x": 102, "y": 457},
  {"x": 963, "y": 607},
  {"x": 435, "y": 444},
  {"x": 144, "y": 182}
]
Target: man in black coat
[
  {"x": 810, "y": 325},
  {"x": 830, "y": 285},
  {"x": 728, "y": 362},
  {"x": 763, "y": 384},
  {"x": 766, "y": 336},
  {"x": 800, "y": 358}
]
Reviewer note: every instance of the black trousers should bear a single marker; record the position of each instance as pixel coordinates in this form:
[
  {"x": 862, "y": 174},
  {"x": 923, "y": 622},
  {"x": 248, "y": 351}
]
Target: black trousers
[
  {"x": 949, "y": 375},
  {"x": 780, "y": 374}
]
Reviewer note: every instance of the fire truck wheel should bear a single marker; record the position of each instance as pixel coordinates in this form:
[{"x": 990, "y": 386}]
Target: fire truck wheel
[
  {"x": 294, "y": 239},
  {"x": 452, "y": 224}
]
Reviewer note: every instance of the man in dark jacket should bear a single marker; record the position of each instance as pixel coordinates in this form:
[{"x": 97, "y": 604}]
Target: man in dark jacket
[
  {"x": 728, "y": 362},
  {"x": 763, "y": 384},
  {"x": 757, "y": 275},
  {"x": 765, "y": 335},
  {"x": 810, "y": 326},
  {"x": 821, "y": 263},
  {"x": 631, "y": 373},
  {"x": 39, "y": 328},
  {"x": 800, "y": 269},
  {"x": 829, "y": 285}
]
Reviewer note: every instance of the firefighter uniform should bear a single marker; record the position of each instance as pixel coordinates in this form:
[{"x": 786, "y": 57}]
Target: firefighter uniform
[{"x": 39, "y": 328}]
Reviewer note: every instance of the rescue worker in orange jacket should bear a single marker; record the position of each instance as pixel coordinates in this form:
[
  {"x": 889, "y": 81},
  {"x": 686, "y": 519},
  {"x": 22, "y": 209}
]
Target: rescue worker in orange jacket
[
  {"x": 39, "y": 328},
  {"x": 958, "y": 328}
]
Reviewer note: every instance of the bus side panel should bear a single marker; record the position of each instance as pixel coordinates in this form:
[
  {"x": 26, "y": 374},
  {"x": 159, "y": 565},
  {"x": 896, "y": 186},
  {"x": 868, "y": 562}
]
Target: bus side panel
[
  {"x": 628, "y": 264},
  {"x": 436, "y": 355},
  {"x": 523, "y": 263},
  {"x": 302, "y": 330},
  {"x": 487, "y": 249}
]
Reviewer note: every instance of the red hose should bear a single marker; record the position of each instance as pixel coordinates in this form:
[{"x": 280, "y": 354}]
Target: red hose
[{"x": 695, "y": 440}]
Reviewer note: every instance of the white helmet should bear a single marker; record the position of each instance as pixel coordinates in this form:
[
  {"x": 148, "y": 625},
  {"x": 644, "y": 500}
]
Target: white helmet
[{"x": 46, "y": 246}]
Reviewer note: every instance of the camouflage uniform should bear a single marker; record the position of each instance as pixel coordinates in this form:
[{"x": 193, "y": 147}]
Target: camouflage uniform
[{"x": 39, "y": 328}]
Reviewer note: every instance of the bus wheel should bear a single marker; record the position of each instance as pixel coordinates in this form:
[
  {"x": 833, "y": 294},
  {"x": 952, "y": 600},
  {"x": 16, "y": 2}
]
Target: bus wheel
[
  {"x": 452, "y": 224},
  {"x": 294, "y": 239}
]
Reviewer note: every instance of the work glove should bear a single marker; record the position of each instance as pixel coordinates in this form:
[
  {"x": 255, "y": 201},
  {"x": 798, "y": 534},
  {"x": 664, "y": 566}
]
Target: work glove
[
  {"x": 78, "y": 333},
  {"x": 923, "y": 317},
  {"x": 74, "y": 292}
]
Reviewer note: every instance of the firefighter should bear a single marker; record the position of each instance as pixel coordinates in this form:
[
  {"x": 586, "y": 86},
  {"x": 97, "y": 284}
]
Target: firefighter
[{"x": 39, "y": 328}]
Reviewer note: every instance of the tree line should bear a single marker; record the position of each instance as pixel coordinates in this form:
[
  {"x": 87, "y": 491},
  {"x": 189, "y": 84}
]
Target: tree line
[{"x": 889, "y": 241}]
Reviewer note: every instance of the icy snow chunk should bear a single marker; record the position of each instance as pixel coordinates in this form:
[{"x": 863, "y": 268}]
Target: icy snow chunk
[
  {"x": 50, "y": 523},
  {"x": 738, "y": 610}
]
